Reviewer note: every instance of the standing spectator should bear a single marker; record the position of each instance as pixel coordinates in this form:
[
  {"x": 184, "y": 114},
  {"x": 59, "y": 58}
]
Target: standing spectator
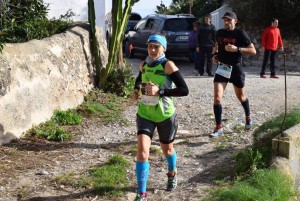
[
  {"x": 231, "y": 44},
  {"x": 206, "y": 41},
  {"x": 193, "y": 44},
  {"x": 270, "y": 41},
  {"x": 156, "y": 110}
]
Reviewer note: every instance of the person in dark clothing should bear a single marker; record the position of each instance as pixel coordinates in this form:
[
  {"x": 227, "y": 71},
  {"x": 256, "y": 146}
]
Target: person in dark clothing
[
  {"x": 231, "y": 44},
  {"x": 206, "y": 41},
  {"x": 192, "y": 45}
]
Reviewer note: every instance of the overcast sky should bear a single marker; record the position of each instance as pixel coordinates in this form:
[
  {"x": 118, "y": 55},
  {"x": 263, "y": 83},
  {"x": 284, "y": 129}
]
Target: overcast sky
[{"x": 146, "y": 7}]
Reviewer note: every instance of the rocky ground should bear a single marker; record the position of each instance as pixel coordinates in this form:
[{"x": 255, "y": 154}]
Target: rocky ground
[{"x": 27, "y": 168}]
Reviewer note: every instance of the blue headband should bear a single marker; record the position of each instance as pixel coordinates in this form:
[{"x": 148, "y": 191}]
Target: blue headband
[{"x": 158, "y": 40}]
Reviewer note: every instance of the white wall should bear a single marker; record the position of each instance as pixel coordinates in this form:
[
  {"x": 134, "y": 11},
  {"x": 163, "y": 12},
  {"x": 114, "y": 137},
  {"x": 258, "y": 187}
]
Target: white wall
[
  {"x": 79, "y": 7},
  {"x": 217, "y": 16}
]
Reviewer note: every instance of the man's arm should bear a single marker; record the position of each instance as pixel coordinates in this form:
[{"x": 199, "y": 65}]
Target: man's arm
[
  {"x": 280, "y": 43},
  {"x": 249, "y": 50}
]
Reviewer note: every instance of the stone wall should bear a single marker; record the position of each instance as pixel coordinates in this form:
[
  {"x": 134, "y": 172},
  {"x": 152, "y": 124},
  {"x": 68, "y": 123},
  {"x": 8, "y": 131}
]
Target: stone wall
[
  {"x": 41, "y": 76},
  {"x": 286, "y": 152},
  {"x": 291, "y": 49}
]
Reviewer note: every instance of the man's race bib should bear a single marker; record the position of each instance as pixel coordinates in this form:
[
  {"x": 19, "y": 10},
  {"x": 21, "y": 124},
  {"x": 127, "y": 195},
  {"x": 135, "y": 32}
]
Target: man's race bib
[
  {"x": 149, "y": 100},
  {"x": 224, "y": 70}
]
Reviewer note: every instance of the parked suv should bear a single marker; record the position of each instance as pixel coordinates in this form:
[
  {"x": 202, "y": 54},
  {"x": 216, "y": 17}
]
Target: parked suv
[
  {"x": 176, "y": 28},
  {"x": 133, "y": 19}
]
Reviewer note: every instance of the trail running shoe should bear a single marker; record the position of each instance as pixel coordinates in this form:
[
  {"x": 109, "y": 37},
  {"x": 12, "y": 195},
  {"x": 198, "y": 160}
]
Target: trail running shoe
[
  {"x": 141, "y": 197},
  {"x": 172, "y": 181},
  {"x": 263, "y": 76},
  {"x": 274, "y": 76},
  {"x": 248, "y": 124},
  {"x": 217, "y": 133}
]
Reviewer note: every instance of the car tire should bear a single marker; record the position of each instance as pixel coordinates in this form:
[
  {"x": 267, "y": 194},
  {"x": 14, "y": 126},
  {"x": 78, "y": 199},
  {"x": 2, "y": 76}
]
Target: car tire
[{"x": 128, "y": 53}]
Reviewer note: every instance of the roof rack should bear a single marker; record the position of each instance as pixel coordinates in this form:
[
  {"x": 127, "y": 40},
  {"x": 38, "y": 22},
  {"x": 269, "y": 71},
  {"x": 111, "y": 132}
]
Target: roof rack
[
  {"x": 178, "y": 15},
  {"x": 185, "y": 14}
]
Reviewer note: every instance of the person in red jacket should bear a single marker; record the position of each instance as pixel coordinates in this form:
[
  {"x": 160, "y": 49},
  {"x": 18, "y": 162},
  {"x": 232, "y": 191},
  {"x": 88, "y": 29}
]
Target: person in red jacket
[{"x": 271, "y": 39}]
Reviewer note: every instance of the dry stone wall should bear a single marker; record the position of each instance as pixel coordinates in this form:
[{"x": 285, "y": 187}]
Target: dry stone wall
[{"x": 41, "y": 76}]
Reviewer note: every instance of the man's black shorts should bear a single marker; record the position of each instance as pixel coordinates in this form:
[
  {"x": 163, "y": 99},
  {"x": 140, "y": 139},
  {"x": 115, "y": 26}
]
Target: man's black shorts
[{"x": 237, "y": 77}]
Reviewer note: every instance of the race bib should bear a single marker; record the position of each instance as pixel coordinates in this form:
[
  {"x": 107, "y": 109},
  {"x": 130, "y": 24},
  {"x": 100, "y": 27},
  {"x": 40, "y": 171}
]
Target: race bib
[
  {"x": 224, "y": 70},
  {"x": 149, "y": 100}
]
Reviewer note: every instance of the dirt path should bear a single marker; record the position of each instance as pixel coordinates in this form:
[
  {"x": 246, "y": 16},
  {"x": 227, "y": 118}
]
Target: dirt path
[{"x": 27, "y": 168}]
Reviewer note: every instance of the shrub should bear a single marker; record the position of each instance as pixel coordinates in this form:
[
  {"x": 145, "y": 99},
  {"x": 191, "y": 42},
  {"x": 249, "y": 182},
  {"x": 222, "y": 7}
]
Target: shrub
[
  {"x": 120, "y": 81},
  {"x": 23, "y": 20}
]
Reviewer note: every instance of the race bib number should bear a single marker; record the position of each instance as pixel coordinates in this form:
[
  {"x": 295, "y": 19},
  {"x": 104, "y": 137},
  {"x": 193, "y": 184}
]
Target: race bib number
[
  {"x": 149, "y": 100},
  {"x": 224, "y": 70}
]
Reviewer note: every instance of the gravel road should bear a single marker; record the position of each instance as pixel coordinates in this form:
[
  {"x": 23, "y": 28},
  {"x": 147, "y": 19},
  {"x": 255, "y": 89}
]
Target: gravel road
[{"x": 200, "y": 159}]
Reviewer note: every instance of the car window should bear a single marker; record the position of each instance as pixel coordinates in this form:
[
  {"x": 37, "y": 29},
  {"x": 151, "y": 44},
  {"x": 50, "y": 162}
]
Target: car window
[
  {"x": 149, "y": 24},
  {"x": 182, "y": 24},
  {"x": 141, "y": 24},
  {"x": 156, "y": 24}
]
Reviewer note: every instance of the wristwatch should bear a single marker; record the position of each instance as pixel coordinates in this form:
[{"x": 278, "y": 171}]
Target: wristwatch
[
  {"x": 161, "y": 92},
  {"x": 239, "y": 49}
]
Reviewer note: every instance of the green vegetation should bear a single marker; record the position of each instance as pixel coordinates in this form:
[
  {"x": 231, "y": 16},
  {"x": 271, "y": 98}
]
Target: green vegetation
[
  {"x": 120, "y": 81},
  {"x": 104, "y": 107},
  {"x": 251, "y": 168},
  {"x": 263, "y": 185},
  {"x": 69, "y": 178},
  {"x": 51, "y": 131},
  {"x": 69, "y": 117},
  {"x": 272, "y": 127},
  {"x": 120, "y": 16},
  {"x": 108, "y": 179},
  {"x": 286, "y": 11},
  {"x": 94, "y": 42},
  {"x": 24, "y": 20}
]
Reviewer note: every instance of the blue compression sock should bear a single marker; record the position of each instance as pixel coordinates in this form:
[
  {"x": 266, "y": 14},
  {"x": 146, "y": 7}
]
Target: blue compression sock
[
  {"x": 142, "y": 172},
  {"x": 172, "y": 161}
]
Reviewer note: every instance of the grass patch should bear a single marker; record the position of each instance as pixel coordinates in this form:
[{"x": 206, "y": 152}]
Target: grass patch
[
  {"x": 248, "y": 161},
  {"x": 69, "y": 117},
  {"x": 110, "y": 178},
  {"x": 250, "y": 166},
  {"x": 67, "y": 179},
  {"x": 106, "y": 180},
  {"x": 94, "y": 108},
  {"x": 238, "y": 128},
  {"x": 188, "y": 153},
  {"x": 273, "y": 126},
  {"x": 263, "y": 185},
  {"x": 51, "y": 131},
  {"x": 106, "y": 107}
]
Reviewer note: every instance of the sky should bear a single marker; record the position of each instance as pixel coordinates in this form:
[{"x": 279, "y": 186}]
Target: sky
[
  {"x": 146, "y": 7},
  {"x": 143, "y": 7}
]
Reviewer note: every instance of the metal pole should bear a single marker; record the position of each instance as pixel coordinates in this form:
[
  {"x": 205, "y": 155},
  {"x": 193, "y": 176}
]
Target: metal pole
[{"x": 285, "y": 95}]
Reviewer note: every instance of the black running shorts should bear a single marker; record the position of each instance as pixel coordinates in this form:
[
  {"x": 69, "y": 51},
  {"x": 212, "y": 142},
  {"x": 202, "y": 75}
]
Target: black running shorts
[
  {"x": 166, "y": 129},
  {"x": 237, "y": 77}
]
